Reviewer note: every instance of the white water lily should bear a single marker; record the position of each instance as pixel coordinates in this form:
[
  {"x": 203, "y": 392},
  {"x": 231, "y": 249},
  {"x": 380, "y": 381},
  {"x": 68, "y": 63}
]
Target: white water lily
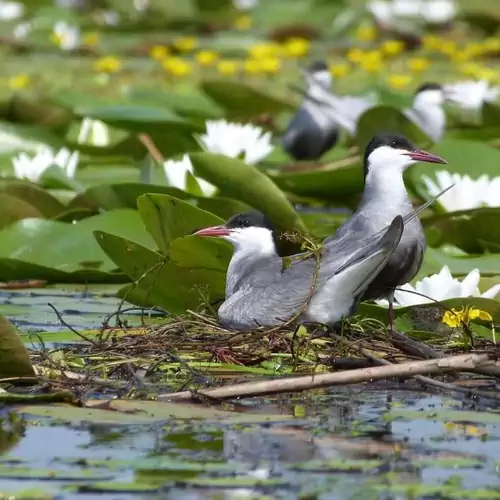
[
  {"x": 441, "y": 286},
  {"x": 245, "y": 4},
  {"x": 467, "y": 193},
  {"x": 470, "y": 94},
  {"x": 176, "y": 171},
  {"x": 11, "y": 10},
  {"x": 22, "y": 30},
  {"x": 67, "y": 36},
  {"x": 235, "y": 140},
  {"x": 33, "y": 167},
  {"x": 111, "y": 17},
  {"x": 389, "y": 12},
  {"x": 93, "y": 132}
]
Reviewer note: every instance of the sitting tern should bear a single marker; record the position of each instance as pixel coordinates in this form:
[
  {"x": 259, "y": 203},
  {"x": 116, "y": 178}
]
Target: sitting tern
[
  {"x": 386, "y": 158},
  {"x": 262, "y": 291},
  {"x": 312, "y": 131}
]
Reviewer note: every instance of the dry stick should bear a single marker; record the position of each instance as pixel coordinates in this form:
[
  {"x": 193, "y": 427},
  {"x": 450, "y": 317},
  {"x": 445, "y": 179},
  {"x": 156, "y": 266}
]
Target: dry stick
[
  {"x": 151, "y": 147},
  {"x": 427, "y": 380},
  {"x": 69, "y": 327},
  {"x": 463, "y": 362}
]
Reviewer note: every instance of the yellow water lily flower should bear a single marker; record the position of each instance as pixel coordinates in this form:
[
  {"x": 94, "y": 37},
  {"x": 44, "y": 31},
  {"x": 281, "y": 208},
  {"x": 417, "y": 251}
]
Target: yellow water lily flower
[
  {"x": 418, "y": 64},
  {"x": 297, "y": 47},
  {"x": 227, "y": 67},
  {"x": 185, "y": 44},
  {"x": 399, "y": 81},
  {"x": 108, "y": 64},
  {"x": 176, "y": 66},
  {"x": 371, "y": 62},
  {"x": 243, "y": 23},
  {"x": 339, "y": 70},
  {"x": 270, "y": 65},
  {"x": 392, "y": 47},
  {"x": 252, "y": 67},
  {"x": 431, "y": 42},
  {"x": 206, "y": 57},
  {"x": 159, "y": 52},
  {"x": 366, "y": 33},
  {"x": 355, "y": 55},
  {"x": 261, "y": 50},
  {"x": 19, "y": 81},
  {"x": 90, "y": 39}
]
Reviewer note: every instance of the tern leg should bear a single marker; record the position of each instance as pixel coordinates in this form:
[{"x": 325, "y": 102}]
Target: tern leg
[{"x": 390, "y": 298}]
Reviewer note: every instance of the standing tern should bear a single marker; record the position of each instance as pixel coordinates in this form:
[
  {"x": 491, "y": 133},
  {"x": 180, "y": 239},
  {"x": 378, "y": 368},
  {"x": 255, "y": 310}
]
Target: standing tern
[
  {"x": 312, "y": 131},
  {"x": 262, "y": 289},
  {"x": 386, "y": 158}
]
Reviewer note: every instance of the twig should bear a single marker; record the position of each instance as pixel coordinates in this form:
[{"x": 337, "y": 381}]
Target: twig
[
  {"x": 148, "y": 143},
  {"x": 464, "y": 362},
  {"x": 69, "y": 327}
]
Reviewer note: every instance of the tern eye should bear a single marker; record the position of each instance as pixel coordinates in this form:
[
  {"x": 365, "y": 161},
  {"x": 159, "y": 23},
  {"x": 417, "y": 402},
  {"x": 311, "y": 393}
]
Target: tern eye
[
  {"x": 394, "y": 144},
  {"x": 245, "y": 223}
]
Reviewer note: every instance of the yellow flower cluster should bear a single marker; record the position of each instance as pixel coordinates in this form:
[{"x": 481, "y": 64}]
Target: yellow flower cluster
[
  {"x": 455, "y": 318},
  {"x": 108, "y": 64}
]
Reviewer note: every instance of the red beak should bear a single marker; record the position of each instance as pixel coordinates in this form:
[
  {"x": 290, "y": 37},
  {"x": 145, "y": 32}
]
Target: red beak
[
  {"x": 213, "y": 231},
  {"x": 424, "y": 156}
]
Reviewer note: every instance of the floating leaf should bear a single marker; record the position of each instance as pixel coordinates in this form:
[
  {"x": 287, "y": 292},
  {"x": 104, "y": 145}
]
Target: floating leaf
[
  {"x": 167, "y": 218},
  {"x": 238, "y": 180},
  {"x": 13, "y": 209},
  {"x": 14, "y": 357},
  {"x": 387, "y": 119},
  {"x": 161, "y": 283},
  {"x": 240, "y": 100}
]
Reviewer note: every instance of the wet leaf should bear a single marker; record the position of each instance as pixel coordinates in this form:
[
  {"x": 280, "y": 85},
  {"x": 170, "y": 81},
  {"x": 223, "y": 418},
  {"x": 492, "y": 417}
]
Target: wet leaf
[
  {"x": 337, "y": 465},
  {"x": 37, "y": 197},
  {"x": 241, "y": 100},
  {"x": 393, "y": 121},
  {"x": 50, "y": 474},
  {"x": 445, "y": 415},
  {"x": 13, "y": 209},
  {"x": 236, "y": 179},
  {"x": 167, "y": 218},
  {"x": 14, "y": 357}
]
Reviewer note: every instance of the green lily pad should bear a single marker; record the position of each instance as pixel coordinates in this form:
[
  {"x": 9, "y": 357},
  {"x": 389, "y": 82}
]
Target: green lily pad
[
  {"x": 167, "y": 218},
  {"x": 13, "y": 209},
  {"x": 159, "y": 282},
  {"x": 14, "y": 357},
  {"x": 243, "y": 101},
  {"x": 236, "y": 179},
  {"x": 67, "y": 247},
  {"x": 474, "y": 231},
  {"x": 445, "y": 415},
  {"x": 393, "y": 120}
]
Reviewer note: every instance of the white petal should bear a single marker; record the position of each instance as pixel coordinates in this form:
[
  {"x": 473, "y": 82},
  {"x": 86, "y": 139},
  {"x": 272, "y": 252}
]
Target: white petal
[{"x": 492, "y": 292}]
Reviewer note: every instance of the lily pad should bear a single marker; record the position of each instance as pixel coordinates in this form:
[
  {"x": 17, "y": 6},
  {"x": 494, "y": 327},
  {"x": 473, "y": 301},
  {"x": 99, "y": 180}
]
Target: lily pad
[
  {"x": 393, "y": 120},
  {"x": 243, "y": 101},
  {"x": 14, "y": 357},
  {"x": 474, "y": 231},
  {"x": 167, "y": 218},
  {"x": 236, "y": 179},
  {"x": 13, "y": 209},
  {"x": 158, "y": 282}
]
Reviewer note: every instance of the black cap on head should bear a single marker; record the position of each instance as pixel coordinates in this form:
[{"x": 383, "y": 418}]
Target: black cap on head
[
  {"x": 250, "y": 219},
  {"x": 317, "y": 66},
  {"x": 429, "y": 86},
  {"x": 390, "y": 139}
]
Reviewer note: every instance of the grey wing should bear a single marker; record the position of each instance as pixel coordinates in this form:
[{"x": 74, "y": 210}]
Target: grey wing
[{"x": 271, "y": 296}]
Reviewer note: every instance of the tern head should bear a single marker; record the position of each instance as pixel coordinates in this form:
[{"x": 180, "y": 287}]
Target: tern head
[
  {"x": 392, "y": 153},
  {"x": 250, "y": 231},
  {"x": 318, "y": 74},
  {"x": 429, "y": 94}
]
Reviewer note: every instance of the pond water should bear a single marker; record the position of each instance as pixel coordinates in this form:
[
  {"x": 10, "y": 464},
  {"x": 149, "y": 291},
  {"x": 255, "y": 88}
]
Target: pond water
[{"x": 384, "y": 441}]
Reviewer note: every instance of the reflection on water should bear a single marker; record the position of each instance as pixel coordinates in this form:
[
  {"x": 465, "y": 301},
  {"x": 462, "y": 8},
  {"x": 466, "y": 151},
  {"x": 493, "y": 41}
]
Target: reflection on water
[{"x": 340, "y": 424}]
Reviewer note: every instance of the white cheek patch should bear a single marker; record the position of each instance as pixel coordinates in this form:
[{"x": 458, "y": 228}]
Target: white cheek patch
[{"x": 385, "y": 159}]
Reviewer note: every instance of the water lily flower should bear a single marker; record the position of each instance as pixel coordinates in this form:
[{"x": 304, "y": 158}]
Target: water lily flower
[
  {"x": 175, "y": 172},
  {"x": 22, "y": 30},
  {"x": 467, "y": 193},
  {"x": 33, "y": 167},
  {"x": 66, "y": 36},
  {"x": 142, "y": 5},
  {"x": 11, "y": 10},
  {"x": 93, "y": 132},
  {"x": 111, "y": 17},
  {"x": 389, "y": 12},
  {"x": 441, "y": 286},
  {"x": 245, "y": 4},
  {"x": 235, "y": 140},
  {"x": 470, "y": 94}
]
